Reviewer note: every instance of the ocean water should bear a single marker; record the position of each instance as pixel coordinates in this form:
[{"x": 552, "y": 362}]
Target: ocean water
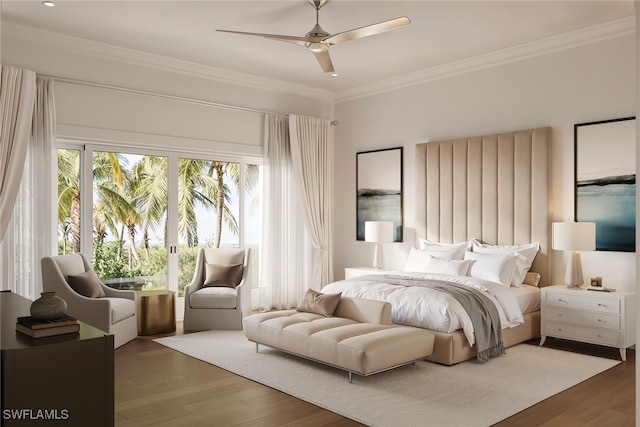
[
  {"x": 613, "y": 208},
  {"x": 379, "y": 206}
]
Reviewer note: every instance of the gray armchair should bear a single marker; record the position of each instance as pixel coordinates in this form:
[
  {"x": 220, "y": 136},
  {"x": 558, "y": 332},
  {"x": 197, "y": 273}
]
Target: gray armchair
[
  {"x": 114, "y": 313},
  {"x": 218, "y": 304}
]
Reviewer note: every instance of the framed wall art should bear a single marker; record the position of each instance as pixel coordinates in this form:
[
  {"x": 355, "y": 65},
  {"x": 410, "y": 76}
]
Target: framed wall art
[
  {"x": 605, "y": 181},
  {"x": 379, "y": 189}
]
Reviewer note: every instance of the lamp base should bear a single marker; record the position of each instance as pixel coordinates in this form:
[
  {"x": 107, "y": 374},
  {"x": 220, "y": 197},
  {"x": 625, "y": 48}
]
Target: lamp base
[
  {"x": 573, "y": 276},
  {"x": 378, "y": 257}
]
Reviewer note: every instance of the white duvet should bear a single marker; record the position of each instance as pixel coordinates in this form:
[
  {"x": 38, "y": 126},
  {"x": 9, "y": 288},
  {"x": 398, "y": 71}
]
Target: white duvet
[{"x": 428, "y": 308}]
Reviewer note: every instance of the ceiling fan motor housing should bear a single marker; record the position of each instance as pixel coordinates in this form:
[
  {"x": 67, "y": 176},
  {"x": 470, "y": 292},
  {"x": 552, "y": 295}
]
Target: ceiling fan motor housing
[{"x": 317, "y": 4}]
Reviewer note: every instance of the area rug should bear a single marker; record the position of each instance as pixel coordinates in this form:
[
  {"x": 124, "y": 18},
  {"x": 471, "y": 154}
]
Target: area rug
[{"x": 424, "y": 394}]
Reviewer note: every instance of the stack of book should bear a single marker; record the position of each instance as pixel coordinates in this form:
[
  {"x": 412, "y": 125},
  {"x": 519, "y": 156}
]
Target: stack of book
[{"x": 36, "y": 328}]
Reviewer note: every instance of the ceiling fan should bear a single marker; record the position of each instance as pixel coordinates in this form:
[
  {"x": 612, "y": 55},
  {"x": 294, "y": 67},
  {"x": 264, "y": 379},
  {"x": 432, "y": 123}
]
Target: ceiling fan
[{"x": 318, "y": 40}]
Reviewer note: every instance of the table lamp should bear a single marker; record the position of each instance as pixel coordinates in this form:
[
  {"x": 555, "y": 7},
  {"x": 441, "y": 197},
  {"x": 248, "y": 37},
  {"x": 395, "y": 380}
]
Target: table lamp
[
  {"x": 574, "y": 236},
  {"x": 378, "y": 232}
]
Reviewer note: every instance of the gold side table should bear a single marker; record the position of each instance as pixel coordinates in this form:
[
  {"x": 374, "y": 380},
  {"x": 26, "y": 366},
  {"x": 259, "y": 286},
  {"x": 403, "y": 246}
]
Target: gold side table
[{"x": 156, "y": 311}]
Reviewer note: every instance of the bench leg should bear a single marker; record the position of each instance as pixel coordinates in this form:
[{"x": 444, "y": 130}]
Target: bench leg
[
  {"x": 257, "y": 348},
  {"x": 350, "y": 378}
]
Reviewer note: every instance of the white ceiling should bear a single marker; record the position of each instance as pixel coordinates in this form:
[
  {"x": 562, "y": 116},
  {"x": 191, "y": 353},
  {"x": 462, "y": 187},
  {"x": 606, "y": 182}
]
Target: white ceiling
[{"x": 441, "y": 32}]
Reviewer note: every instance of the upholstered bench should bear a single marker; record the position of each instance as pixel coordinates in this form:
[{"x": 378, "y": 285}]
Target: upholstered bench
[{"x": 358, "y": 338}]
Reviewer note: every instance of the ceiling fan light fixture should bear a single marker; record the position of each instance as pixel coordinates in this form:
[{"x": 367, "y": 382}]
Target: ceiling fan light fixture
[{"x": 316, "y": 47}]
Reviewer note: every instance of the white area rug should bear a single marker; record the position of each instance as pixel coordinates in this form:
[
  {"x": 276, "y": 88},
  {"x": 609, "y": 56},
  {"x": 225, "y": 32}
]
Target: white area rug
[{"x": 424, "y": 394}]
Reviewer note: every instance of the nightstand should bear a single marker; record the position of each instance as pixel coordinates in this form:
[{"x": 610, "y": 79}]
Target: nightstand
[
  {"x": 604, "y": 318},
  {"x": 351, "y": 272}
]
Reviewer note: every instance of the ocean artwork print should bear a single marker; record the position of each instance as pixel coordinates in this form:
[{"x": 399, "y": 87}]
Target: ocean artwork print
[
  {"x": 606, "y": 182},
  {"x": 379, "y": 189}
]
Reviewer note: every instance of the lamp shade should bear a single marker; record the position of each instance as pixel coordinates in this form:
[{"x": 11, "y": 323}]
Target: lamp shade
[
  {"x": 378, "y": 231},
  {"x": 574, "y": 236}
]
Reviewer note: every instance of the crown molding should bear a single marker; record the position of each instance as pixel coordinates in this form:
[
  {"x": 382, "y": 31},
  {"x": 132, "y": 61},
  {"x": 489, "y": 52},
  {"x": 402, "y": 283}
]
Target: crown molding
[
  {"x": 84, "y": 47},
  {"x": 613, "y": 29},
  {"x": 76, "y": 45}
]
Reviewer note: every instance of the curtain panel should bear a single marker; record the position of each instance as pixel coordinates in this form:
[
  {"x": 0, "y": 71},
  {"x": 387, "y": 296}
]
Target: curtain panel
[
  {"x": 312, "y": 154},
  {"x": 296, "y": 233},
  {"x": 17, "y": 94},
  {"x": 30, "y": 234},
  {"x": 285, "y": 271}
]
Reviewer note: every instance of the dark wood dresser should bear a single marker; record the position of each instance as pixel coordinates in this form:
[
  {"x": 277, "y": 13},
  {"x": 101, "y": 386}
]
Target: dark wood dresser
[{"x": 61, "y": 380}]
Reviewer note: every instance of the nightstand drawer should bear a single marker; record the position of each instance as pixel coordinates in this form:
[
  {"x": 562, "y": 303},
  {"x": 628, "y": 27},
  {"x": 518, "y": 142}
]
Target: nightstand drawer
[
  {"x": 604, "y": 305},
  {"x": 600, "y": 320},
  {"x": 585, "y": 334}
]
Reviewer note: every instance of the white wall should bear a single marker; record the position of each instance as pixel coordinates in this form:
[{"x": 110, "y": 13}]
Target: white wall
[{"x": 586, "y": 83}]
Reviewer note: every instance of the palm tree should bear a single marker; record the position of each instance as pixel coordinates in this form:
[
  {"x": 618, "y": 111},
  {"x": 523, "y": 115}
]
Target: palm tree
[
  {"x": 112, "y": 186},
  {"x": 201, "y": 182},
  {"x": 221, "y": 196},
  {"x": 151, "y": 194},
  {"x": 69, "y": 194}
]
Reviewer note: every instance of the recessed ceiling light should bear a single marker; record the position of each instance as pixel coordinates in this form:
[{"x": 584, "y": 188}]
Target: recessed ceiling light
[
  {"x": 48, "y": 3},
  {"x": 334, "y": 74}
]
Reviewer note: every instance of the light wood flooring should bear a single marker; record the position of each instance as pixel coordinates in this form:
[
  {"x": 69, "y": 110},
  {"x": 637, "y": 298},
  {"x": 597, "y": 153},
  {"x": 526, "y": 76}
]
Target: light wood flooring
[{"x": 157, "y": 386}]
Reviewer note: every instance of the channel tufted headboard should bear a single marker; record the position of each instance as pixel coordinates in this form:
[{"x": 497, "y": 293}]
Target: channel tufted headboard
[{"x": 494, "y": 188}]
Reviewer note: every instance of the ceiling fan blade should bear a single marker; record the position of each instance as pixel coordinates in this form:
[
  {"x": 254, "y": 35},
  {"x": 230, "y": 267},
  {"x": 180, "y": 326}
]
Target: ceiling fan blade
[
  {"x": 302, "y": 41},
  {"x": 324, "y": 59},
  {"x": 369, "y": 30}
]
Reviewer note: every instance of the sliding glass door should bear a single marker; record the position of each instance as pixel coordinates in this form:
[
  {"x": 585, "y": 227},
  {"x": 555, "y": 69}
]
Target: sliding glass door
[
  {"x": 129, "y": 217},
  {"x": 144, "y": 216}
]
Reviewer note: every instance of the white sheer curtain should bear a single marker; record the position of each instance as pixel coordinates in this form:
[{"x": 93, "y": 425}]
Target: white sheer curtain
[
  {"x": 312, "y": 154},
  {"x": 30, "y": 234},
  {"x": 17, "y": 92},
  {"x": 285, "y": 249}
]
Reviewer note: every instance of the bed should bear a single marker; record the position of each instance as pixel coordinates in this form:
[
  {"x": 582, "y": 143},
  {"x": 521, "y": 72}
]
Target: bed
[{"x": 488, "y": 193}]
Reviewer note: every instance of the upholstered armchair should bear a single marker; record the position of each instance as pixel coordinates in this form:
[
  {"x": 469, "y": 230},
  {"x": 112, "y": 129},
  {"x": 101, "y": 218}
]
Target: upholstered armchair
[
  {"x": 88, "y": 299},
  {"x": 220, "y": 293}
]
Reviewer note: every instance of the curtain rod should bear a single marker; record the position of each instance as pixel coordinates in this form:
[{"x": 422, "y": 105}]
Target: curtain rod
[{"x": 166, "y": 96}]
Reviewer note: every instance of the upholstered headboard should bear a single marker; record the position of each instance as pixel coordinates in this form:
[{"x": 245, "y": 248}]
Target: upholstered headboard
[{"x": 493, "y": 188}]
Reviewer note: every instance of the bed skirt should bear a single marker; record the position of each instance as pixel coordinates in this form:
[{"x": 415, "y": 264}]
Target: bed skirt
[{"x": 452, "y": 348}]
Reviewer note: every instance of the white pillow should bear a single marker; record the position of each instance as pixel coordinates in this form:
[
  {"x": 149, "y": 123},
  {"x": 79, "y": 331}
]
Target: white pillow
[
  {"x": 418, "y": 258},
  {"x": 424, "y": 261},
  {"x": 448, "y": 250},
  {"x": 457, "y": 267},
  {"x": 526, "y": 252},
  {"x": 498, "y": 268}
]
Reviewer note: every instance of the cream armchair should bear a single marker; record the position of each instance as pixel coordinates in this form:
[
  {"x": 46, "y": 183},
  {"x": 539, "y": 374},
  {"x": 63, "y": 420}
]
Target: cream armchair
[
  {"x": 114, "y": 313},
  {"x": 217, "y": 304}
]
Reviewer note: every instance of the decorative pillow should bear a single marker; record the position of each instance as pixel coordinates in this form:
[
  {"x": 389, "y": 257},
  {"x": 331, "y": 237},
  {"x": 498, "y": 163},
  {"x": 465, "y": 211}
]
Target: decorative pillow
[
  {"x": 222, "y": 275},
  {"x": 532, "y": 279},
  {"x": 457, "y": 267},
  {"x": 319, "y": 303},
  {"x": 498, "y": 268},
  {"x": 448, "y": 250},
  {"x": 86, "y": 284},
  {"x": 526, "y": 252}
]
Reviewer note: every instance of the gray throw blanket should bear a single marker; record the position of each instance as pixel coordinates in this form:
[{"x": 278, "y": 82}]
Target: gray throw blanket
[{"x": 482, "y": 312}]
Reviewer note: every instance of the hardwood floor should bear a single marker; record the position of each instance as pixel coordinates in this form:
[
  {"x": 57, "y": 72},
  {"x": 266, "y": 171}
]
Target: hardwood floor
[{"x": 157, "y": 386}]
